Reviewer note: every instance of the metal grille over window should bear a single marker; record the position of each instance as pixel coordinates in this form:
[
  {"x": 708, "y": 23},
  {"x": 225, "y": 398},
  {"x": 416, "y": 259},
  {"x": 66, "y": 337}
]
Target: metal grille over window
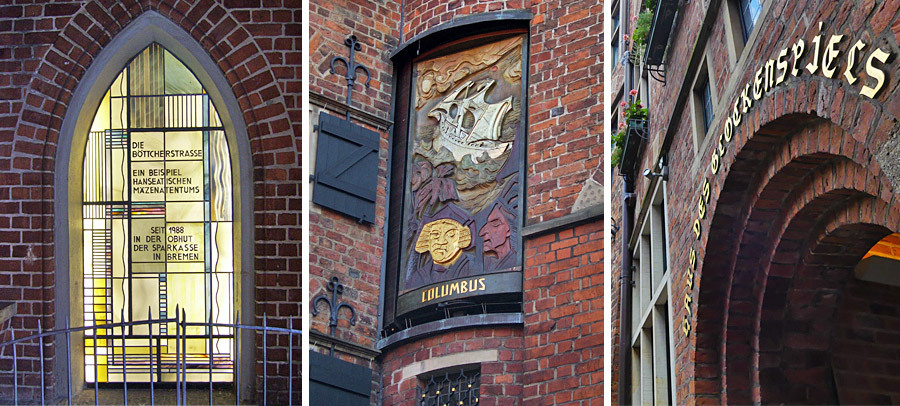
[
  {"x": 450, "y": 389},
  {"x": 157, "y": 225}
]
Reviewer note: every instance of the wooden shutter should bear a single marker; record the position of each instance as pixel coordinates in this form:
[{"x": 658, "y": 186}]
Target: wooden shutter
[
  {"x": 336, "y": 382},
  {"x": 346, "y": 176}
]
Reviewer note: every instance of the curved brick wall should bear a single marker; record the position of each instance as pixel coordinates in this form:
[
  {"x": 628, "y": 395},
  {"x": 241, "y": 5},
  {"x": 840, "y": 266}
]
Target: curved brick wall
[{"x": 501, "y": 379}]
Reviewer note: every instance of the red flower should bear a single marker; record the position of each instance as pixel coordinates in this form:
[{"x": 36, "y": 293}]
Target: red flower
[
  {"x": 623, "y": 104},
  {"x": 633, "y": 92}
]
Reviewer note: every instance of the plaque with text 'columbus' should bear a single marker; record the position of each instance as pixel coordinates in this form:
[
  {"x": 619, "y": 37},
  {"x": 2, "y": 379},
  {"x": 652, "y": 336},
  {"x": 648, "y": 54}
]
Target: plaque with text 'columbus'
[{"x": 461, "y": 211}]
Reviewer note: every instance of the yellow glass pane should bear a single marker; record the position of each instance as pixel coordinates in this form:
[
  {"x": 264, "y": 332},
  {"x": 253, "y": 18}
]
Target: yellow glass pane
[
  {"x": 148, "y": 239},
  {"x": 148, "y": 181},
  {"x": 184, "y": 180},
  {"x": 179, "y": 79},
  {"x": 185, "y": 242},
  {"x": 147, "y": 146},
  {"x": 184, "y": 211},
  {"x": 101, "y": 120},
  {"x": 118, "y": 87},
  {"x": 185, "y": 267},
  {"x": 184, "y": 145}
]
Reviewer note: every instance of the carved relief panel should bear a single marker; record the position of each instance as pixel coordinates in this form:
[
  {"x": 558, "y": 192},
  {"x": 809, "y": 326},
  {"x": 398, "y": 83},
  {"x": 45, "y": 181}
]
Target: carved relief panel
[{"x": 461, "y": 213}]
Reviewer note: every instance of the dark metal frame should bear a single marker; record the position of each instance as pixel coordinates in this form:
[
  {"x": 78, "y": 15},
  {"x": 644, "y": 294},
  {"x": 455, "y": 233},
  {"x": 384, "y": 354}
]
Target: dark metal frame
[
  {"x": 433, "y": 40},
  {"x": 635, "y": 136},
  {"x": 181, "y": 325},
  {"x": 336, "y": 288},
  {"x": 352, "y": 66}
]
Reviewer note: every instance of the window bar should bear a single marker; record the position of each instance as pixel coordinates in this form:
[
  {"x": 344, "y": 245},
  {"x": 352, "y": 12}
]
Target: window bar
[
  {"x": 237, "y": 371},
  {"x": 150, "y": 348},
  {"x": 15, "y": 373},
  {"x": 124, "y": 364},
  {"x": 96, "y": 369},
  {"x": 265, "y": 361},
  {"x": 184, "y": 356},
  {"x": 68, "y": 363},
  {"x": 211, "y": 353},
  {"x": 290, "y": 361},
  {"x": 41, "y": 354},
  {"x": 177, "y": 354}
]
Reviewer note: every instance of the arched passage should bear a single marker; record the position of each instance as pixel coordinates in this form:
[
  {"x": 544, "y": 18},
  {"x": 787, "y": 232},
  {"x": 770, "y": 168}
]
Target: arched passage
[{"x": 781, "y": 238}]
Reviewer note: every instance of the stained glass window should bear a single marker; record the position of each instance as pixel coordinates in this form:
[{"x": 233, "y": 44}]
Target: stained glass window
[{"x": 158, "y": 231}]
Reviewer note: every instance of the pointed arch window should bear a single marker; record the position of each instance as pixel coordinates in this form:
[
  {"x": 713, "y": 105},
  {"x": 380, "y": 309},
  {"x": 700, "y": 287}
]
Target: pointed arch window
[{"x": 158, "y": 223}]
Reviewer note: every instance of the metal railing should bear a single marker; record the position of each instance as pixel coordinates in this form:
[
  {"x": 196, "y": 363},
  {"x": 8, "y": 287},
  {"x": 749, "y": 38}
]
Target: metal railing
[{"x": 180, "y": 363}]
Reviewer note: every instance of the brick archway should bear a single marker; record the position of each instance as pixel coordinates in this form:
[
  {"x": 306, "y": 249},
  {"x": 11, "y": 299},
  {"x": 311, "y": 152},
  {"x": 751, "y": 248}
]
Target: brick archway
[{"x": 768, "y": 226}]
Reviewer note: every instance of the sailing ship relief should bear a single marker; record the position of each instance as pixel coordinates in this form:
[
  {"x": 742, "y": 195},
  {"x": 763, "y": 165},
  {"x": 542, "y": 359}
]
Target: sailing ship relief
[
  {"x": 469, "y": 125},
  {"x": 462, "y": 189}
]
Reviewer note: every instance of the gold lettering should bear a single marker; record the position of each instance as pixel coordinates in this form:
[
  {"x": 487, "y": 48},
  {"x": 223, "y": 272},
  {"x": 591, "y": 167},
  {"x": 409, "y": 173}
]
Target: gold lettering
[
  {"x": 697, "y": 230},
  {"x": 692, "y": 259},
  {"x": 813, "y": 66},
  {"x": 454, "y": 288},
  {"x": 720, "y": 148},
  {"x": 770, "y": 75},
  {"x": 443, "y": 291},
  {"x": 758, "y": 84},
  {"x": 735, "y": 115},
  {"x": 747, "y": 103},
  {"x": 423, "y": 296},
  {"x": 874, "y": 72},
  {"x": 706, "y": 190},
  {"x": 686, "y": 326},
  {"x": 689, "y": 277},
  {"x": 830, "y": 56},
  {"x": 464, "y": 287},
  {"x": 729, "y": 129},
  {"x": 715, "y": 163},
  {"x": 687, "y": 304},
  {"x": 851, "y": 61},
  {"x": 701, "y": 208},
  {"x": 797, "y": 49},
  {"x": 782, "y": 67},
  {"x": 481, "y": 284}
]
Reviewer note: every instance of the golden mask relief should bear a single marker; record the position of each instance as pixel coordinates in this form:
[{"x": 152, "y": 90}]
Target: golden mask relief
[
  {"x": 444, "y": 239},
  {"x": 463, "y": 164}
]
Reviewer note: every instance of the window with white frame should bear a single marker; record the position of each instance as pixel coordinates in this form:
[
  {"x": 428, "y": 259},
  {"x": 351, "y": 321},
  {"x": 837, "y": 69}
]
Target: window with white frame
[{"x": 651, "y": 336}]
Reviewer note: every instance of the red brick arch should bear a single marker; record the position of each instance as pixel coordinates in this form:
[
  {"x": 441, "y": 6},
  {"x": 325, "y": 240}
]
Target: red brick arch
[
  {"x": 92, "y": 27},
  {"x": 261, "y": 65},
  {"x": 760, "y": 224}
]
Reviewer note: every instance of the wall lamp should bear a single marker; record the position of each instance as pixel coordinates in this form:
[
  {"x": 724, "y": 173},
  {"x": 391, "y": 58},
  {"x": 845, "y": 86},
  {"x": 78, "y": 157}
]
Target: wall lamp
[{"x": 664, "y": 173}]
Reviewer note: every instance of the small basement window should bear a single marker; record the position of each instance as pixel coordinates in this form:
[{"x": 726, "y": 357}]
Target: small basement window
[{"x": 459, "y": 386}]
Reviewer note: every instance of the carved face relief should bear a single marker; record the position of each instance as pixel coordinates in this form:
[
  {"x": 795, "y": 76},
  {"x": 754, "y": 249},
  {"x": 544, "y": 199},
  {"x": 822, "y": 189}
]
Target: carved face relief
[
  {"x": 445, "y": 239},
  {"x": 495, "y": 233}
]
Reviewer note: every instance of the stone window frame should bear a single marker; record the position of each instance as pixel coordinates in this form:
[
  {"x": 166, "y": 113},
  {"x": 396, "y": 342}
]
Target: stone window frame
[
  {"x": 148, "y": 28},
  {"x": 651, "y": 322},
  {"x": 703, "y": 77},
  {"x": 736, "y": 38}
]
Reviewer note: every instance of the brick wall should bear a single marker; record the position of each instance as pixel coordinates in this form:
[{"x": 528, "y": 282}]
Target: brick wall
[
  {"x": 565, "y": 88},
  {"x": 51, "y": 45},
  {"x": 774, "y": 176},
  {"x": 864, "y": 345},
  {"x": 339, "y": 245},
  {"x": 501, "y": 379},
  {"x": 564, "y": 317}
]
